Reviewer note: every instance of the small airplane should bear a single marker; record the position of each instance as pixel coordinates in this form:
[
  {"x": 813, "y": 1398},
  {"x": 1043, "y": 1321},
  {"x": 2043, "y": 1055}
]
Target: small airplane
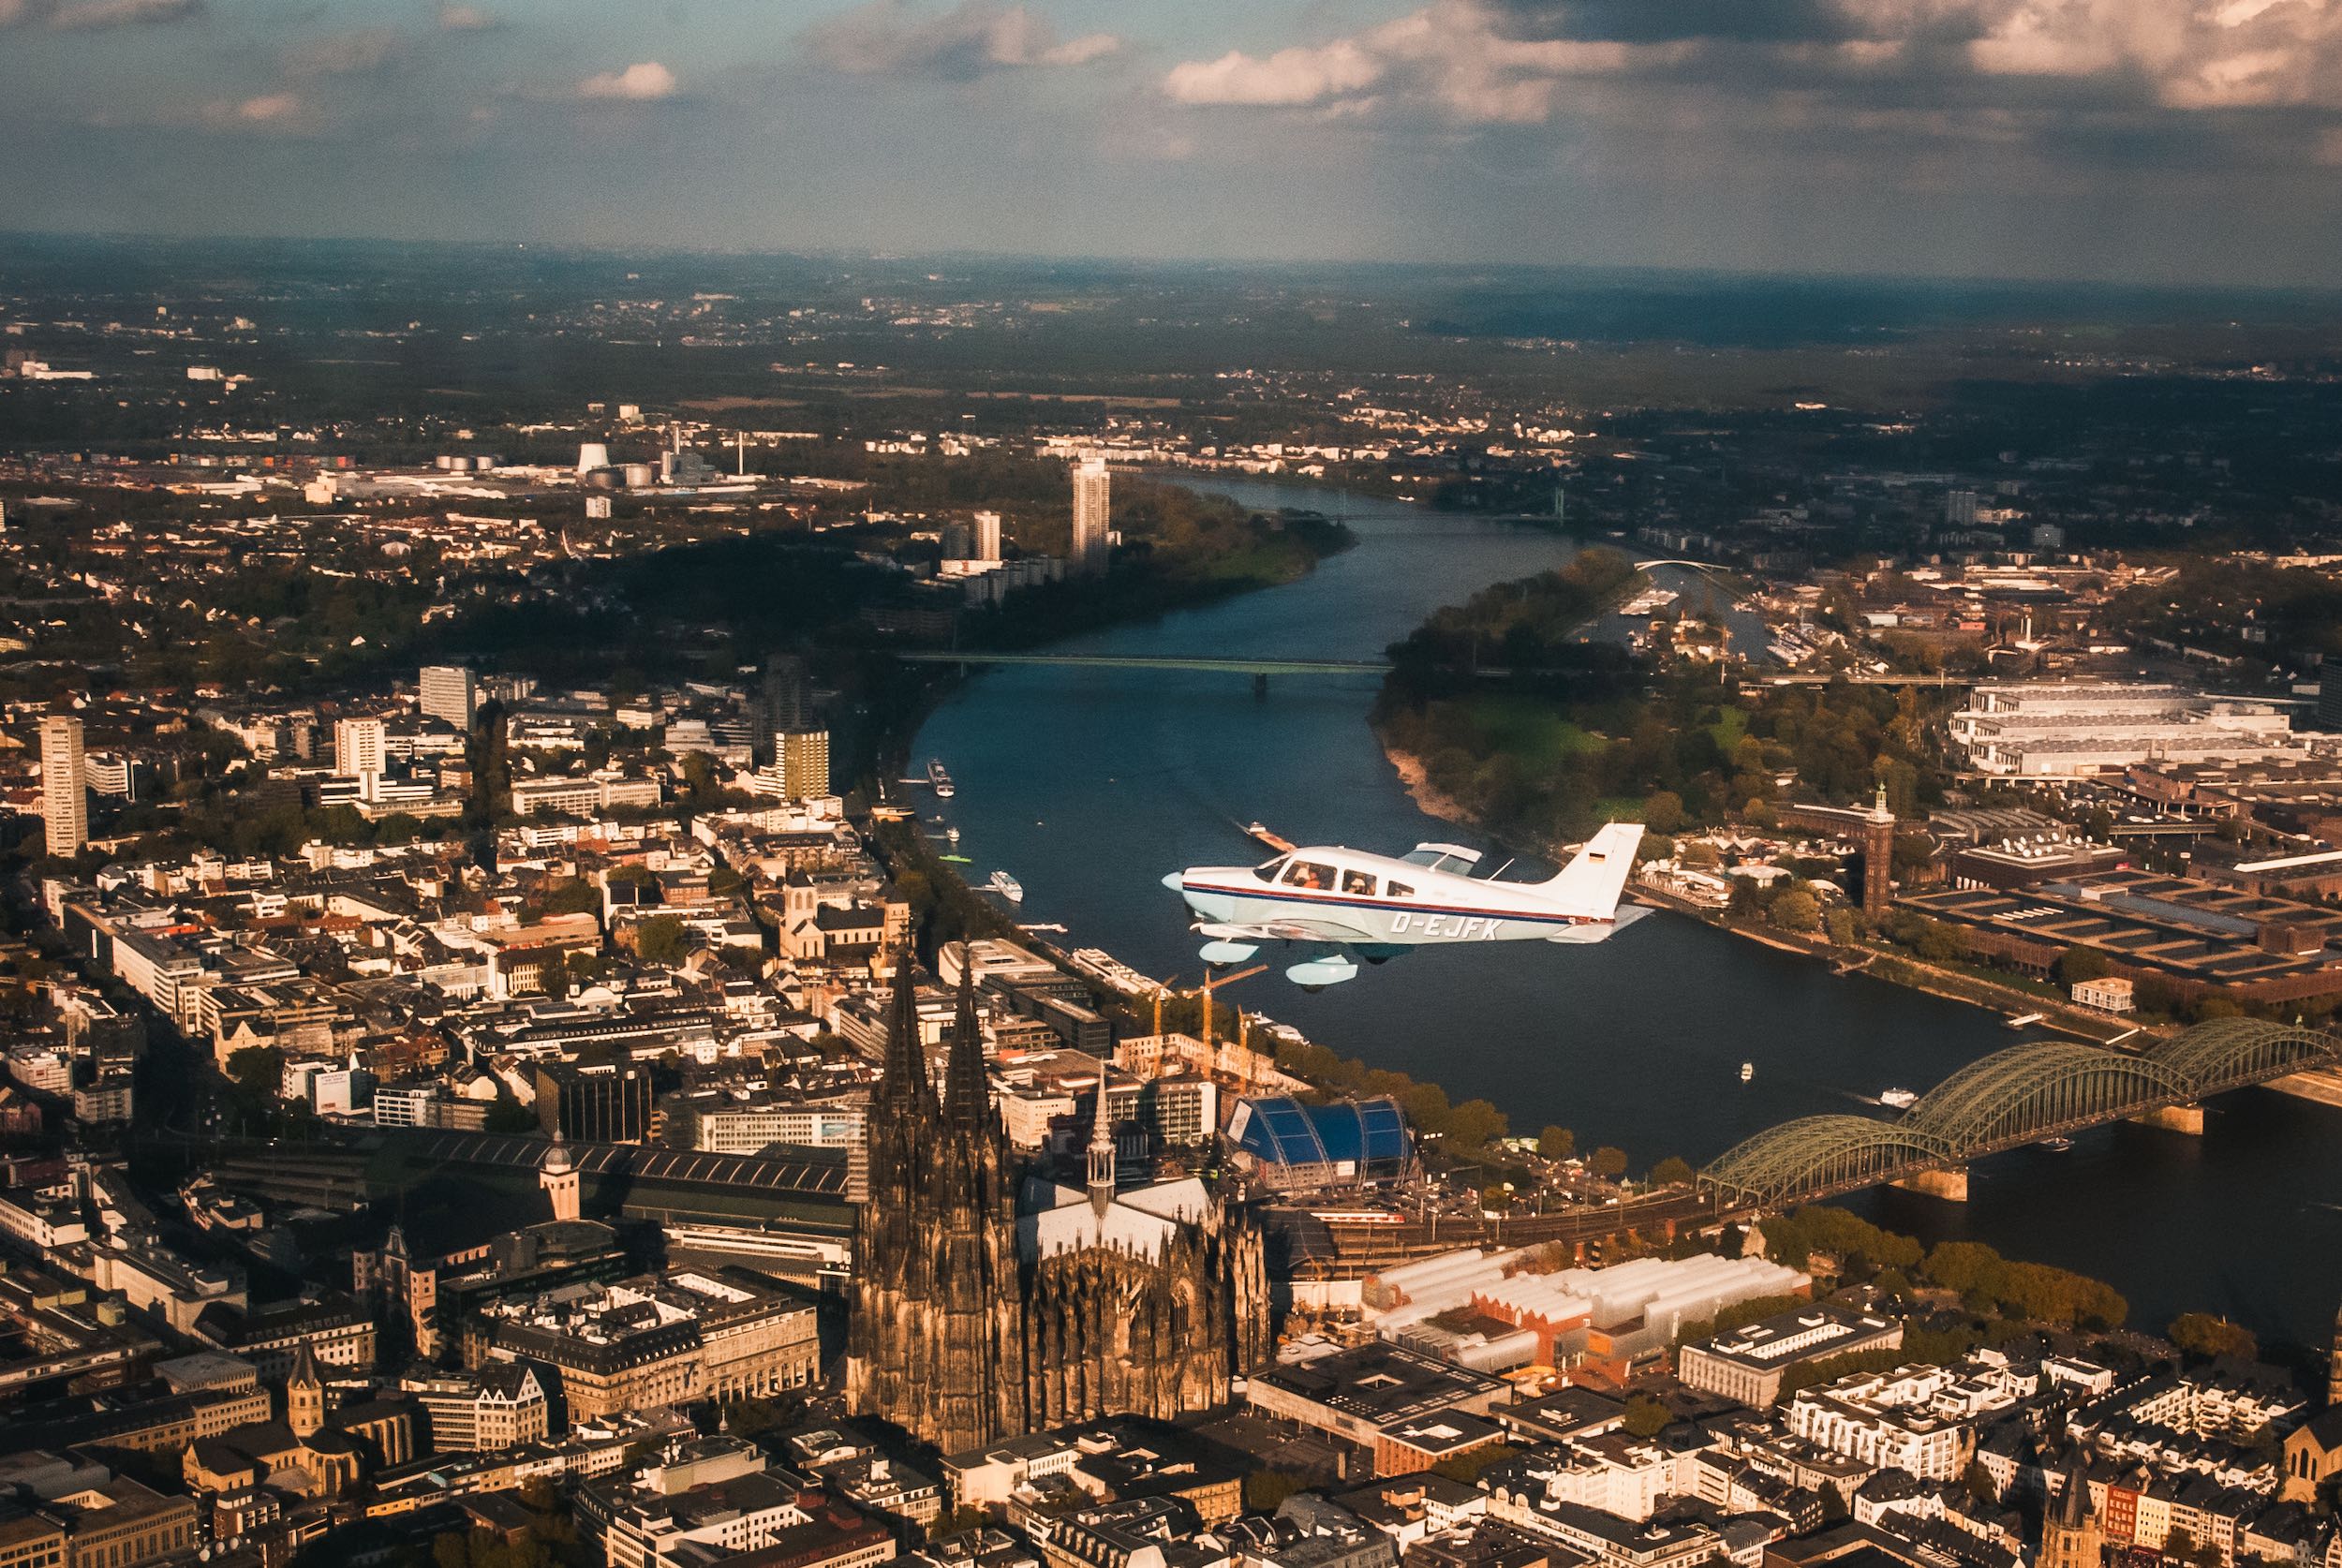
[{"x": 1351, "y": 906}]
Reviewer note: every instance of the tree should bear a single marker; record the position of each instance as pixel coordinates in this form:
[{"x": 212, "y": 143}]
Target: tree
[
  {"x": 1466, "y": 1468},
  {"x": 2203, "y": 1336},
  {"x": 1797, "y": 910},
  {"x": 1663, "y": 811},
  {"x": 1646, "y": 1417},
  {"x": 1609, "y": 1163},
  {"x": 1841, "y": 926},
  {"x": 661, "y": 939},
  {"x": 1557, "y": 1142},
  {"x": 258, "y": 1071},
  {"x": 2077, "y": 964},
  {"x": 574, "y": 896},
  {"x": 1265, "y": 1490},
  {"x": 1673, "y": 1171}
]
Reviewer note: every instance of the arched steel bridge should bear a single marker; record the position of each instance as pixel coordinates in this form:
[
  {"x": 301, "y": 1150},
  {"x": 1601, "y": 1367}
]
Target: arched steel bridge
[{"x": 2018, "y": 1096}]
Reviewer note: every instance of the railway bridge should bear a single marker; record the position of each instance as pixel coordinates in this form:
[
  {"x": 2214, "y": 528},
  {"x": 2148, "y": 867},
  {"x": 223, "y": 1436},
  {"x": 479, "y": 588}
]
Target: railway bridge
[{"x": 2022, "y": 1095}]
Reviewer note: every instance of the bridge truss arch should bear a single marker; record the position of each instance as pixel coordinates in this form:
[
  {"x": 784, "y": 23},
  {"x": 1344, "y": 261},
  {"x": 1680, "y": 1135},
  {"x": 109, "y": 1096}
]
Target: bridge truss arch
[
  {"x": 1811, "y": 1154},
  {"x": 2011, "y": 1097},
  {"x": 2230, "y": 1053},
  {"x": 2027, "y": 1091}
]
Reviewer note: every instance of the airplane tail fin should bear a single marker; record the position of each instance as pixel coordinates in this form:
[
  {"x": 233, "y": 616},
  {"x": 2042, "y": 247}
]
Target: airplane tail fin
[{"x": 1591, "y": 882}]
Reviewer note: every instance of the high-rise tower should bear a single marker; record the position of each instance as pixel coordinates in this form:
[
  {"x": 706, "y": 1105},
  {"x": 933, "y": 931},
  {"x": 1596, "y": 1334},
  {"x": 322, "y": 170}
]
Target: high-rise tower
[
  {"x": 63, "y": 784},
  {"x": 1090, "y": 488},
  {"x": 449, "y": 692}
]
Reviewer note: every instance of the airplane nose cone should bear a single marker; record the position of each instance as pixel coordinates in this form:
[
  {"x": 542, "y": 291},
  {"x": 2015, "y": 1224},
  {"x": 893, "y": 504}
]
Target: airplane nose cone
[{"x": 1175, "y": 881}]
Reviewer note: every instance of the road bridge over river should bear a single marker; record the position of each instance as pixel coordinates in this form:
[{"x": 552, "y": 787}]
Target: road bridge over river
[
  {"x": 2023, "y": 1095},
  {"x": 1261, "y": 668}
]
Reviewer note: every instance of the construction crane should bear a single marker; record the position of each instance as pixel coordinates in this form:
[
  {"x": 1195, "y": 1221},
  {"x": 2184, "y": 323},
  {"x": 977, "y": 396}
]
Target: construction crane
[{"x": 1212, "y": 983}]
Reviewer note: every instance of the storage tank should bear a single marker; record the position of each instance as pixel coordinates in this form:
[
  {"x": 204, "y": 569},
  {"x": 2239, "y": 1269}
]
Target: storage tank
[{"x": 640, "y": 476}]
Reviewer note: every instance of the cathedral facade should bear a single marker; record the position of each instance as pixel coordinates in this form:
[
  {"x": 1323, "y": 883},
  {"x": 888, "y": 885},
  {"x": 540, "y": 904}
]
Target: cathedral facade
[{"x": 984, "y": 1305}]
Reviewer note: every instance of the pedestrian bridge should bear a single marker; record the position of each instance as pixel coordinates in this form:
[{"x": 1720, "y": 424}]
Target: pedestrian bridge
[{"x": 2011, "y": 1097}]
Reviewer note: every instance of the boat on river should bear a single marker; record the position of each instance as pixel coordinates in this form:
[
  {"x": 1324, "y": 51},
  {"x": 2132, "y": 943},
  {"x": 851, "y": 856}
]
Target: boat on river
[
  {"x": 1898, "y": 1099},
  {"x": 1008, "y": 887},
  {"x": 941, "y": 780}
]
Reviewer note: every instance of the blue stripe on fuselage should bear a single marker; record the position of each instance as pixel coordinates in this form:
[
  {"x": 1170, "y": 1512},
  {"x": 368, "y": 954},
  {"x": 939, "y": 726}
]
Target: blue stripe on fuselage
[{"x": 1298, "y": 895}]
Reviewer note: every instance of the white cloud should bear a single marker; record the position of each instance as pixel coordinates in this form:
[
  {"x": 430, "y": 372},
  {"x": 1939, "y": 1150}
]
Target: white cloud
[
  {"x": 94, "y": 15},
  {"x": 466, "y": 19},
  {"x": 644, "y": 82},
  {"x": 269, "y": 109},
  {"x": 1451, "y": 56},
  {"x": 970, "y": 39},
  {"x": 280, "y": 114},
  {"x": 1290, "y": 76},
  {"x": 2191, "y": 54}
]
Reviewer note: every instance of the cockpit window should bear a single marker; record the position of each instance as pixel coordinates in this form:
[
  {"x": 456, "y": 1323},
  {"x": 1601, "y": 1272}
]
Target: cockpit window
[
  {"x": 1268, "y": 870},
  {"x": 1359, "y": 882},
  {"x": 1308, "y": 874}
]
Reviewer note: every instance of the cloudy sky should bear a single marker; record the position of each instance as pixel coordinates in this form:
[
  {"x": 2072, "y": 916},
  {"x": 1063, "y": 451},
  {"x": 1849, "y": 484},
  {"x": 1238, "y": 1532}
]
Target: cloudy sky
[{"x": 2149, "y": 139}]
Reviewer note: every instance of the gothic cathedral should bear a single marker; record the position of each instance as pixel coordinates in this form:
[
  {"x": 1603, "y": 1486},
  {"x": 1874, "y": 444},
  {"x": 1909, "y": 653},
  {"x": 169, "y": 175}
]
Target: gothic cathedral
[{"x": 980, "y": 1312}]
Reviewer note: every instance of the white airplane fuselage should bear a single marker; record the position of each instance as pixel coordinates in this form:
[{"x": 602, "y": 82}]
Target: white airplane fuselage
[{"x": 1378, "y": 900}]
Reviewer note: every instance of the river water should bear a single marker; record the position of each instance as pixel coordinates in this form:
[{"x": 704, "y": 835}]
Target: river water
[{"x": 1089, "y": 785}]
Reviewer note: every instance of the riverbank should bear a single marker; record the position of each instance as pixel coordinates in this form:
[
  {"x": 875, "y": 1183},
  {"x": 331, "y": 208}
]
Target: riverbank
[{"x": 1416, "y": 779}]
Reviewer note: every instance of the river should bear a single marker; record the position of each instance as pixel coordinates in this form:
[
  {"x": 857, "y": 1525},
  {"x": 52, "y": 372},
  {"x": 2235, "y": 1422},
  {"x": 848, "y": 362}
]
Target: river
[{"x": 1089, "y": 785}]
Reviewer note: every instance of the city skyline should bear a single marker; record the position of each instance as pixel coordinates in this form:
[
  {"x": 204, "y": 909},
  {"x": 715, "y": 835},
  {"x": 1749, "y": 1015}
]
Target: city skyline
[{"x": 2166, "y": 141}]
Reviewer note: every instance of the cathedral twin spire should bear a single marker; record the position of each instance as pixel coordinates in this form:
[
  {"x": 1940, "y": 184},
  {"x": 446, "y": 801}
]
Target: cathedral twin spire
[
  {"x": 905, "y": 1086},
  {"x": 1102, "y": 1151}
]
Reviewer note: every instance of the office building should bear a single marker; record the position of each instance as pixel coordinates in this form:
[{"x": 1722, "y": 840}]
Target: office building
[
  {"x": 452, "y": 692},
  {"x": 1091, "y": 484},
  {"x": 1748, "y": 1364},
  {"x": 670, "y": 1338},
  {"x": 987, "y": 535},
  {"x": 2052, "y": 729},
  {"x": 63, "y": 784},
  {"x": 606, "y": 1103},
  {"x": 2330, "y": 700},
  {"x": 360, "y": 749},
  {"x": 788, "y": 694},
  {"x": 803, "y": 756}
]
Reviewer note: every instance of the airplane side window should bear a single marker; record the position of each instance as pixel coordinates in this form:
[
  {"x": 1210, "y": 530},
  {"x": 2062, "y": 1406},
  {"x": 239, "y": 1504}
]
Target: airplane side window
[
  {"x": 1359, "y": 882},
  {"x": 1306, "y": 874},
  {"x": 1398, "y": 890}
]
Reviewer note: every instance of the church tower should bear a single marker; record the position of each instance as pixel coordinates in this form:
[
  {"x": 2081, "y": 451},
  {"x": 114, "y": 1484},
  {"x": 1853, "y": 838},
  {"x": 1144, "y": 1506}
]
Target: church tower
[
  {"x": 934, "y": 1343},
  {"x": 2071, "y": 1536},
  {"x": 559, "y": 1177},
  {"x": 2334, "y": 1367},
  {"x": 1102, "y": 1151},
  {"x": 304, "y": 1395}
]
